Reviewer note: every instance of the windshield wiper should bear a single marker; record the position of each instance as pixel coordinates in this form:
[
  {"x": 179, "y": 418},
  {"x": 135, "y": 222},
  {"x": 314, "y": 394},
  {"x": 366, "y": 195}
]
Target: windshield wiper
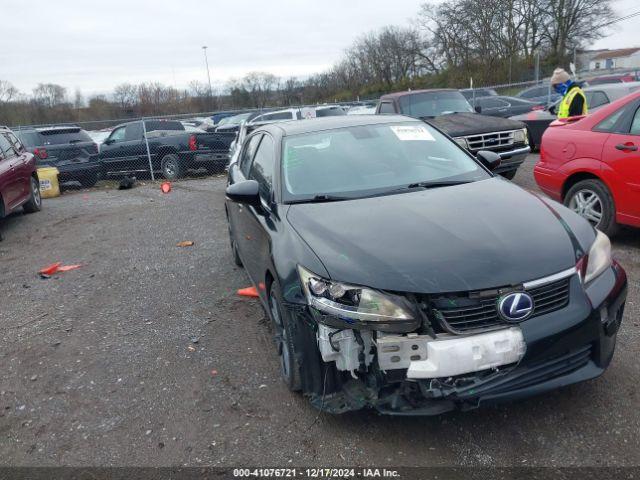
[
  {"x": 321, "y": 198},
  {"x": 75, "y": 141},
  {"x": 436, "y": 184}
]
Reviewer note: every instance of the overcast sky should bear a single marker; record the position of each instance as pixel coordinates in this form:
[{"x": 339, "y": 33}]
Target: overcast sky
[{"x": 95, "y": 45}]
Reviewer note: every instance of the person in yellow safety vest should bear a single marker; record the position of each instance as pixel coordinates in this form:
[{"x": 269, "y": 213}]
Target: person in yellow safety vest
[{"x": 574, "y": 102}]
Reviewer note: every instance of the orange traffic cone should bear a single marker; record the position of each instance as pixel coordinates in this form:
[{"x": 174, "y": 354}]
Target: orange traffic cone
[{"x": 248, "y": 292}]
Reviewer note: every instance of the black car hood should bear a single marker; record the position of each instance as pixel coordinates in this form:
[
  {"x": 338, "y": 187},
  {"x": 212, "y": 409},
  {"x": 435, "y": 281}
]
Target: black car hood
[
  {"x": 473, "y": 236},
  {"x": 460, "y": 124}
]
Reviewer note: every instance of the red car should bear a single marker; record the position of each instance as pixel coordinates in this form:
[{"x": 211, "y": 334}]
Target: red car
[
  {"x": 592, "y": 164},
  {"x": 19, "y": 184}
]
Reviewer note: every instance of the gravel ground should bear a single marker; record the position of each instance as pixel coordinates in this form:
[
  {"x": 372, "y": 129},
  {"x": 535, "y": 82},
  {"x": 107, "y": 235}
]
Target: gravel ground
[{"x": 145, "y": 356}]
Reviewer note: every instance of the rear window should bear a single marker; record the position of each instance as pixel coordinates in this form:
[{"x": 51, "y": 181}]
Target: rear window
[
  {"x": 29, "y": 139},
  {"x": 154, "y": 125},
  {"x": 63, "y": 136},
  {"x": 330, "y": 112}
]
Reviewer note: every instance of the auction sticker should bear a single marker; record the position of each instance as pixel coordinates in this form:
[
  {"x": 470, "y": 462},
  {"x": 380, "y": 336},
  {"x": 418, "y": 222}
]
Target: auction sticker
[{"x": 412, "y": 132}]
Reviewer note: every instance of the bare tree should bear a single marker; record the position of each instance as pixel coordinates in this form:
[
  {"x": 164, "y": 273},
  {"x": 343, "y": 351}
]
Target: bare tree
[
  {"x": 49, "y": 95},
  {"x": 7, "y": 91}
]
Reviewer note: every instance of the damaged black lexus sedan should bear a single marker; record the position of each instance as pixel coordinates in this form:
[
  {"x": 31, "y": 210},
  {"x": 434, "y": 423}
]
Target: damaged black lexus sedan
[{"x": 400, "y": 274}]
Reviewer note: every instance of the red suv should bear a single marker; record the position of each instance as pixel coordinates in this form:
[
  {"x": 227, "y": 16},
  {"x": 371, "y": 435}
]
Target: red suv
[
  {"x": 19, "y": 185},
  {"x": 592, "y": 164}
]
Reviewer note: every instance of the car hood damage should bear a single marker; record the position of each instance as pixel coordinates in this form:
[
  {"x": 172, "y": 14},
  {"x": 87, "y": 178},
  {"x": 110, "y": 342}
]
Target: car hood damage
[{"x": 462, "y": 238}]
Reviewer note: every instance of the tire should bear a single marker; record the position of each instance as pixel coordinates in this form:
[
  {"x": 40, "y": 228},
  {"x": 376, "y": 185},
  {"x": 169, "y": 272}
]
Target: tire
[
  {"x": 34, "y": 204},
  {"x": 284, "y": 334},
  {"x": 171, "y": 167},
  {"x": 89, "y": 180},
  {"x": 510, "y": 174},
  {"x": 592, "y": 200}
]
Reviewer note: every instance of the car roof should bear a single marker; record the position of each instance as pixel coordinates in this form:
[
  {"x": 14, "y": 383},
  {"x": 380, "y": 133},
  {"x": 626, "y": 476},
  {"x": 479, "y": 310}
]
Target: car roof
[
  {"x": 320, "y": 124},
  {"x": 390, "y": 96},
  {"x": 614, "y": 87}
]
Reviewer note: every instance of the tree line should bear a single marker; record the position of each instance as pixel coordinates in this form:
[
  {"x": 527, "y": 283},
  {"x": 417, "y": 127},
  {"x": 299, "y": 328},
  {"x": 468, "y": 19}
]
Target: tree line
[{"x": 447, "y": 44}]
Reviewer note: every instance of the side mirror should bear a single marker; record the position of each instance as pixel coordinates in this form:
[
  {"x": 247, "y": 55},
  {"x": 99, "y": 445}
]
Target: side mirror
[
  {"x": 107, "y": 141},
  {"x": 478, "y": 109},
  {"x": 552, "y": 109},
  {"x": 489, "y": 159},
  {"x": 246, "y": 192}
]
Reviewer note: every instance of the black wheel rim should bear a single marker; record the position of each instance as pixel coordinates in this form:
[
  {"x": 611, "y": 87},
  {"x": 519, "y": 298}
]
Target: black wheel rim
[{"x": 281, "y": 338}]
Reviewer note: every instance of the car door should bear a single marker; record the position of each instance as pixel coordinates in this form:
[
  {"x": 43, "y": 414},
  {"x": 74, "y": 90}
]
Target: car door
[
  {"x": 621, "y": 153},
  {"x": 238, "y": 219},
  {"x": 258, "y": 220},
  {"x": 112, "y": 153},
  {"x": 11, "y": 187},
  {"x": 135, "y": 147},
  {"x": 23, "y": 165},
  {"x": 494, "y": 107}
]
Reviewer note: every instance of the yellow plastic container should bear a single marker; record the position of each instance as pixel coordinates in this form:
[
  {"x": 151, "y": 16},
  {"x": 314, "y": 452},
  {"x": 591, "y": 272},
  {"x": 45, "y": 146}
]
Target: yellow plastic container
[{"x": 49, "y": 186}]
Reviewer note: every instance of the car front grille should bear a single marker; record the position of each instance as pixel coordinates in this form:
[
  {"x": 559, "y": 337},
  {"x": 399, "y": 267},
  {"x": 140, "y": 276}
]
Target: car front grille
[
  {"x": 491, "y": 141},
  {"x": 538, "y": 372},
  {"x": 476, "y": 311}
]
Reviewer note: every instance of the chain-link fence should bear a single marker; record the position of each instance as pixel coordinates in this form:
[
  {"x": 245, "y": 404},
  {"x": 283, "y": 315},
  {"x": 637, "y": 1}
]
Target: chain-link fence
[{"x": 161, "y": 147}]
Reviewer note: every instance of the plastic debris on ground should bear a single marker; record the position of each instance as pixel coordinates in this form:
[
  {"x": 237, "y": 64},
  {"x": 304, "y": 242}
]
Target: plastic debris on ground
[
  {"x": 57, "y": 267},
  {"x": 165, "y": 187},
  {"x": 186, "y": 243},
  {"x": 248, "y": 292}
]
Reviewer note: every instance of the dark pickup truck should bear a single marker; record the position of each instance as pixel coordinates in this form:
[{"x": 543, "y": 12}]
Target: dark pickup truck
[
  {"x": 172, "y": 149},
  {"x": 450, "y": 111}
]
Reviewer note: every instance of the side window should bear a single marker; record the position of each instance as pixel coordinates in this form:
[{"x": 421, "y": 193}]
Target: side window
[
  {"x": 133, "y": 132},
  {"x": 635, "y": 123},
  {"x": 263, "y": 166},
  {"x": 596, "y": 99},
  {"x": 17, "y": 145},
  {"x": 5, "y": 147},
  {"x": 118, "y": 134},
  {"x": 247, "y": 153},
  {"x": 279, "y": 116},
  {"x": 387, "y": 107},
  {"x": 487, "y": 102},
  {"x": 609, "y": 123}
]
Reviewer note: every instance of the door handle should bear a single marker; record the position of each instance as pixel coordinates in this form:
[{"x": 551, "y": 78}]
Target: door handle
[{"x": 626, "y": 148}]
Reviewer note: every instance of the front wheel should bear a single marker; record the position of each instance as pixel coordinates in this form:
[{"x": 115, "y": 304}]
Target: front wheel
[
  {"x": 171, "y": 167},
  {"x": 34, "y": 204},
  {"x": 285, "y": 340},
  {"x": 592, "y": 200}
]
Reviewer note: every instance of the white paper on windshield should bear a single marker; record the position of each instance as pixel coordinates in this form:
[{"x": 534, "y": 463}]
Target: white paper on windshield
[{"x": 412, "y": 132}]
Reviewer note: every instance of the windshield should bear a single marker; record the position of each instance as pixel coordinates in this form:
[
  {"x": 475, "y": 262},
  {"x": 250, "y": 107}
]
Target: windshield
[
  {"x": 370, "y": 160},
  {"x": 236, "y": 119},
  {"x": 433, "y": 104}
]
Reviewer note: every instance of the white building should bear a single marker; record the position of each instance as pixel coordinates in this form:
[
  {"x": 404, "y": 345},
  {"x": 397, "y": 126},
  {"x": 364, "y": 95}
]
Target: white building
[{"x": 622, "y": 58}]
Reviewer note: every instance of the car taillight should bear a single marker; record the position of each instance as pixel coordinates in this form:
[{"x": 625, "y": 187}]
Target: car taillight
[
  {"x": 95, "y": 148},
  {"x": 41, "y": 153},
  {"x": 193, "y": 144}
]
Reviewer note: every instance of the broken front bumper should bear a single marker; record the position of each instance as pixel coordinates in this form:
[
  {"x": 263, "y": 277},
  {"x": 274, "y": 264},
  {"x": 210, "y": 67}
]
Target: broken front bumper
[{"x": 563, "y": 347}]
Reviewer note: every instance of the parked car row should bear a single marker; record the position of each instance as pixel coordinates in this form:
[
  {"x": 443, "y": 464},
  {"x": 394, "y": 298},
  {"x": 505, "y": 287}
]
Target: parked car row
[{"x": 168, "y": 146}]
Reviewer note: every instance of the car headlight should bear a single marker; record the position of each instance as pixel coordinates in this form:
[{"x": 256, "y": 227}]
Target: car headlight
[
  {"x": 344, "y": 305},
  {"x": 597, "y": 260},
  {"x": 520, "y": 136},
  {"x": 462, "y": 142}
]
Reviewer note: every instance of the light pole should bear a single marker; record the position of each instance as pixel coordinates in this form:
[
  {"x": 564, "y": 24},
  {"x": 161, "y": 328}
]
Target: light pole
[{"x": 206, "y": 62}]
